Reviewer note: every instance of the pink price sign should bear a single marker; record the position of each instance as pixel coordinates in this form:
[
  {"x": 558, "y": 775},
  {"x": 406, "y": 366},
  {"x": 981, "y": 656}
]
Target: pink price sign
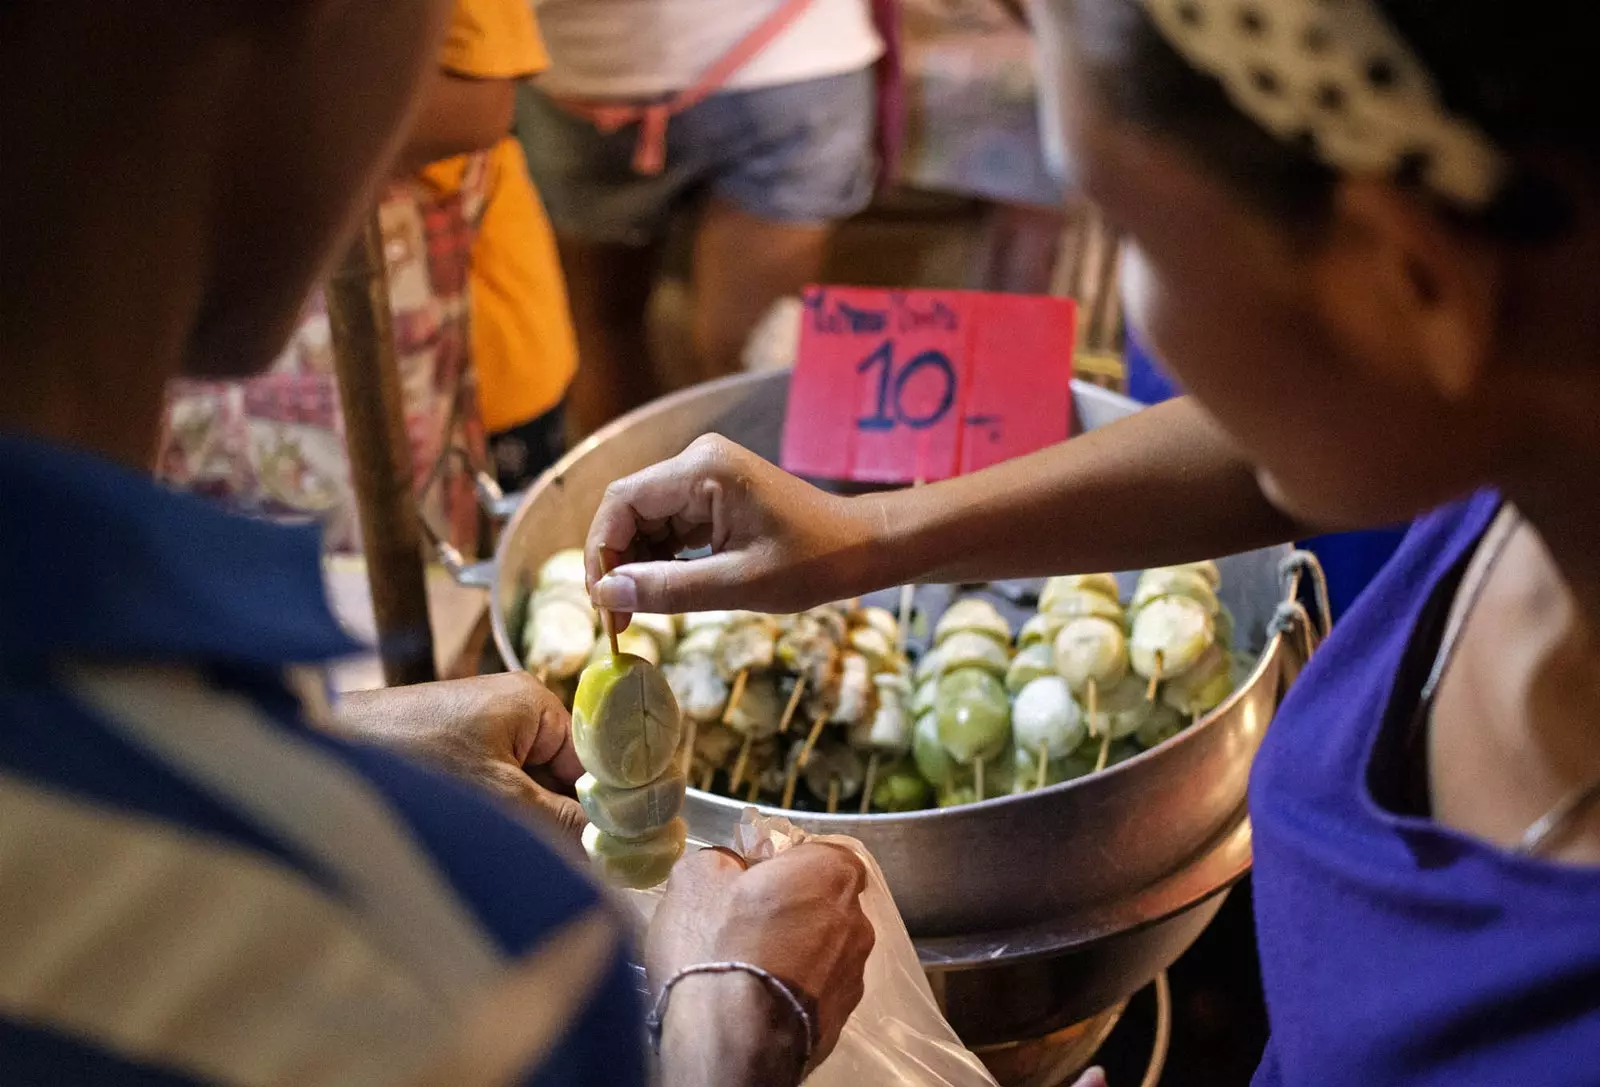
[{"x": 900, "y": 386}]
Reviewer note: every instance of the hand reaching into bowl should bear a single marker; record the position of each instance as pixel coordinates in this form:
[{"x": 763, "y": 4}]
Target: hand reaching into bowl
[{"x": 778, "y": 544}]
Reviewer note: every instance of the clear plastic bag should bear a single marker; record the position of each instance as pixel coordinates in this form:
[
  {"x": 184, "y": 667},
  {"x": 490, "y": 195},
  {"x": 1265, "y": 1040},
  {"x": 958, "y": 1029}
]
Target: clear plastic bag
[{"x": 896, "y": 1037}]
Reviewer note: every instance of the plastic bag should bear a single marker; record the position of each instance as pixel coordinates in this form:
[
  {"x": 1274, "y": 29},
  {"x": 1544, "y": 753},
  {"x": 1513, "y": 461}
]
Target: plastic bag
[{"x": 896, "y": 1037}]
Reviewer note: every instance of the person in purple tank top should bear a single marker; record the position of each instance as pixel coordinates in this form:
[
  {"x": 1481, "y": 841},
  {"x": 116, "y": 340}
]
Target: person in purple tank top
[{"x": 1366, "y": 237}]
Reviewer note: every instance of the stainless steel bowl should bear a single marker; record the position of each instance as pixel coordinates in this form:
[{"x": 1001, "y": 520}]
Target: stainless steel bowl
[{"x": 1044, "y": 877}]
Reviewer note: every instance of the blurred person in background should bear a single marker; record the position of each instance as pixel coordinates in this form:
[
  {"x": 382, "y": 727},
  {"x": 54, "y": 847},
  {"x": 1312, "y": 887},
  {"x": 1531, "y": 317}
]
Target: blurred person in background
[
  {"x": 762, "y": 112},
  {"x": 209, "y": 875},
  {"x": 483, "y": 334}
]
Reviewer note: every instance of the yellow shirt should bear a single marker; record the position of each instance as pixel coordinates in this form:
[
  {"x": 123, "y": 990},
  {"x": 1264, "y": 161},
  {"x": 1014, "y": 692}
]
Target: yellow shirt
[{"x": 523, "y": 345}]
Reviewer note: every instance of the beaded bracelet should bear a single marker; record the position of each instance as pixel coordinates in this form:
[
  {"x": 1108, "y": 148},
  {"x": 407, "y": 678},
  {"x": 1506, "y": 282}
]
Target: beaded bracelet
[{"x": 653, "y": 1022}]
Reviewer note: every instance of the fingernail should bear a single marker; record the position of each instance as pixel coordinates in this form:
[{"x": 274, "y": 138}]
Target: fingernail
[{"x": 616, "y": 592}]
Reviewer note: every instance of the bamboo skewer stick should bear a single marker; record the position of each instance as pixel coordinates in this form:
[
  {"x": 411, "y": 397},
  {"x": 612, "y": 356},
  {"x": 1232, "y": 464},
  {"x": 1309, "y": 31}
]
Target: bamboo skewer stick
[
  {"x": 977, "y": 779},
  {"x": 789, "y": 782},
  {"x": 871, "y": 781},
  {"x": 741, "y": 763},
  {"x": 794, "y": 704},
  {"x": 1044, "y": 765},
  {"x": 833, "y": 796},
  {"x": 811, "y": 742},
  {"x": 706, "y": 777},
  {"x": 1155, "y": 679},
  {"x": 1093, "y": 694},
  {"x": 737, "y": 694}
]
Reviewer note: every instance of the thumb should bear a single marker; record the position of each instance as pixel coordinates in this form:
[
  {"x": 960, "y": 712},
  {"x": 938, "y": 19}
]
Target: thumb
[
  {"x": 563, "y": 812},
  {"x": 712, "y": 583}
]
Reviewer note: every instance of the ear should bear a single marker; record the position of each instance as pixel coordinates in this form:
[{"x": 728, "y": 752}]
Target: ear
[{"x": 1414, "y": 295}]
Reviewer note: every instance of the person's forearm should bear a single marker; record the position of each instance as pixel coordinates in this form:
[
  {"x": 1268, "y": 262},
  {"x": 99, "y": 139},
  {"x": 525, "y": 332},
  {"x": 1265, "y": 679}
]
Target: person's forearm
[
  {"x": 728, "y": 1031},
  {"x": 1163, "y": 486},
  {"x": 457, "y": 116}
]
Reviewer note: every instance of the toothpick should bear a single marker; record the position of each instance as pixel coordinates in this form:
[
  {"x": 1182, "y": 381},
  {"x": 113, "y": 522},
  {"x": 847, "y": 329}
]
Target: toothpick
[
  {"x": 811, "y": 742},
  {"x": 794, "y": 704},
  {"x": 789, "y": 783},
  {"x": 1044, "y": 765},
  {"x": 1155, "y": 679},
  {"x": 872, "y": 780},
  {"x": 741, "y": 763},
  {"x": 833, "y": 796},
  {"x": 977, "y": 779},
  {"x": 737, "y": 694}
]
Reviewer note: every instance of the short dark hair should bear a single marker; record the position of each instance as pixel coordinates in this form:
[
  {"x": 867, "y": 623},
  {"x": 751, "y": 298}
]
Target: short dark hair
[{"x": 1525, "y": 71}]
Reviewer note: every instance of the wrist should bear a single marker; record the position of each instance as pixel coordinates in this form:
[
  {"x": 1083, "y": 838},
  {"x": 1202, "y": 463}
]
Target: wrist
[
  {"x": 893, "y": 544},
  {"x": 729, "y": 1030}
]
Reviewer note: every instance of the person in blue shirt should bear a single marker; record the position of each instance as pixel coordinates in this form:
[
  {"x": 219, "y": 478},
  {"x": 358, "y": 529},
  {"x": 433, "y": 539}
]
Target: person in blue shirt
[
  {"x": 1365, "y": 234},
  {"x": 209, "y": 874}
]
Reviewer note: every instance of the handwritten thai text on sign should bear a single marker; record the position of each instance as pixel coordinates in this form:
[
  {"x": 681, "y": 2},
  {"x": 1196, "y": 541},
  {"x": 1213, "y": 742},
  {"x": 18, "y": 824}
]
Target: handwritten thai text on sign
[{"x": 897, "y": 386}]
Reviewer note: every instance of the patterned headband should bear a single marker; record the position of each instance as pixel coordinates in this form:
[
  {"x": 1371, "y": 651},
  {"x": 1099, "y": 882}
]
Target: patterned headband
[{"x": 1335, "y": 72}]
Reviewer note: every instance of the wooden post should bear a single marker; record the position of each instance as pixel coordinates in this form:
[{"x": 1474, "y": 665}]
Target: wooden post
[{"x": 380, "y": 457}]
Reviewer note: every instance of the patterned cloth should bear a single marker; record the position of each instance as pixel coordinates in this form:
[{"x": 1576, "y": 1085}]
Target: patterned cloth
[{"x": 274, "y": 444}]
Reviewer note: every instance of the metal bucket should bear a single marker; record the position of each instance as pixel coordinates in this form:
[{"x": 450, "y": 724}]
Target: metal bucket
[{"x": 1081, "y": 891}]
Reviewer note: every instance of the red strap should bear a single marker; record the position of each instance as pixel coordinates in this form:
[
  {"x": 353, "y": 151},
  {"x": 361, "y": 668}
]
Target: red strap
[{"x": 650, "y": 152}]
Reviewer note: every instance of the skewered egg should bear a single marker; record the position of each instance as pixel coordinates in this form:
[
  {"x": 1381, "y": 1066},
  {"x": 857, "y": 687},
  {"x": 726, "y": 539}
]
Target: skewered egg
[
  {"x": 973, "y": 715},
  {"x": 625, "y": 722},
  {"x": 701, "y": 691},
  {"x": 1040, "y": 628},
  {"x": 560, "y": 637},
  {"x": 1161, "y": 725},
  {"x": 901, "y": 788},
  {"x": 974, "y": 615},
  {"x": 835, "y": 762},
  {"x": 967, "y": 649},
  {"x": 1177, "y": 628},
  {"x": 1088, "y": 649},
  {"x": 889, "y": 728},
  {"x": 1076, "y": 603},
  {"x": 1122, "y": 708},
  {"x": 1045, "y": 715},
  {"x": 639, "y": 863},
  {"x": 1035, "y": 662},
  {"x": 632, "y": 813},
  {"x": 1156, "y": 584},
  {"x": 1203, "y": 687},
  {"x": 760, "y": 710},
  {"x": 563, "y": 568},
  {"x": 1103, "y": 585}
]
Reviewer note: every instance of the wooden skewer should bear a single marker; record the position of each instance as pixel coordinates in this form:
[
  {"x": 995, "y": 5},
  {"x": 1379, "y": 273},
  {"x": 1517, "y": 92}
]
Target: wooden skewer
[
  {"x": 833, "y": 796},
  {"x": 755, "y": 790},
  {"x": 691, "y": 737},
  {"x": 811, "y": 742},
  {"x": 977, "y": 779},
  {"x": 1093, "y": 694},
  {"x": 1044, "y": 765},
  {"x": 737, "y": 694},
  {"x": 794, "y": 704},
  {"x": 789, "y": 782},
  {"x": 610, "y": 624},
  {"x": 872, "y": 780},
  {"x": 1155, "y": 679},
  {"x": 540, "y": 675},
  {"x": 706, "y": 778},
  {"x": 1105, "y": 751},
  {"x": 741, "y": 763}
]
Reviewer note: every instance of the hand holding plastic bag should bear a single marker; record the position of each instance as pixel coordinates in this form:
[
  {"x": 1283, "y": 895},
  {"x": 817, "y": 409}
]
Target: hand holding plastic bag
[{"x": 897, "y": 1036}]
